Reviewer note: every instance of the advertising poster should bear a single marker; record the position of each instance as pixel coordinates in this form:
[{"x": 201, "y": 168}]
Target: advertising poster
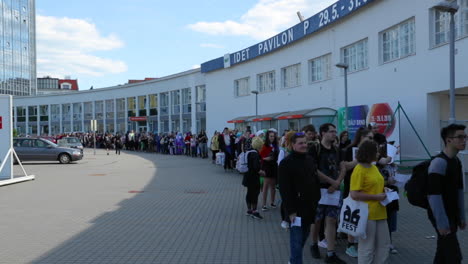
[
  {"x": 379, "y": 115},
  {"x": 357, "y": 117},
  {"x": 6, "y": 163}
]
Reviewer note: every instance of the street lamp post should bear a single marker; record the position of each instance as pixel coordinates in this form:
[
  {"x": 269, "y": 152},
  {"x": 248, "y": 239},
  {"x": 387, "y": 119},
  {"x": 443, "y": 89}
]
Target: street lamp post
[
  {"x": 452, "y": 8},
  {"x": 345, "y": 66},
  {"x": 256, "y": 107}
]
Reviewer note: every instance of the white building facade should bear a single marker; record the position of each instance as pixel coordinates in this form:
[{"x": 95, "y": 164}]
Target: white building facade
[{"x": 396, "y": 51}]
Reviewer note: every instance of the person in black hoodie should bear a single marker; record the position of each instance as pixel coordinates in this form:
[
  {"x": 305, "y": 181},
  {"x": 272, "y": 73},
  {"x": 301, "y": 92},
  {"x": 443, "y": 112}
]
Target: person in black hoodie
[{"x": 300, "y": 192}]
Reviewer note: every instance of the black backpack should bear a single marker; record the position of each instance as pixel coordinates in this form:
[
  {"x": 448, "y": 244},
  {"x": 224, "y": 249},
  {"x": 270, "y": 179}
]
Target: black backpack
[{"x": 416, "y": 187}]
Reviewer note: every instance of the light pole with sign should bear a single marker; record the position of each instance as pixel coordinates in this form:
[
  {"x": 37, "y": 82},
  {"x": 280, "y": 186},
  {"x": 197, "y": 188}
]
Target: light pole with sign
[
  {"x": 256, "y": 108},
  {"x": 345, "y": 66},
  {"x": 452, "y": 8}
]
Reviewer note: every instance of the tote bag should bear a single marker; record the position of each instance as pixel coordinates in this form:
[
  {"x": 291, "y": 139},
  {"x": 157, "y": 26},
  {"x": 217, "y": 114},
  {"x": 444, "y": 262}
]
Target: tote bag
[{"x": 353, "y": 218}]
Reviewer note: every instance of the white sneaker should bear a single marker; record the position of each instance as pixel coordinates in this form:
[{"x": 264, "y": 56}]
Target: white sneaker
[
  {"x": 393, "y": 250},
  {"x": 284, "y": 224},
  {"x": 323, "y": 244}
]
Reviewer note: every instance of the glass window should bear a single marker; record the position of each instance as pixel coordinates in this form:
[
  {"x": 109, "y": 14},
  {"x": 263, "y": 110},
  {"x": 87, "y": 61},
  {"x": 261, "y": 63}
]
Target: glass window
[
  {"x": 398, "y": 41},
  {"x": 40, "y": 144},
  {"x": 77, "y": 113},
  {"x": 441, "y": 24},
  {"x": 55, "y": 113},
  {"x": 109, "y": 109},
  {"x": 186, "y": 100},
  {"x": 164, "y": 101},
  {"x": 266, "y": 82},
  {"x": 21, "y": 113},
  {"x": 32, "y": 113},
  {"x": 131, "y": 106},
  {"x": 241, "y": 87},
  {"x": 355, "y": 55},
  {"x": 120, "y": 103},
  {"x": 142, "y": 102},
  {"x": 153, "y": 101},
  {"x": 291, "y": 76},
  {"x": 175, "y": 98},
  {"x": 66, "y": 112},
  {"x": 320, "y": 68},
  {"x": 201, "y": 98},
  {"x": 88, "y": 111},
  {"x": 99, "y": 109}
]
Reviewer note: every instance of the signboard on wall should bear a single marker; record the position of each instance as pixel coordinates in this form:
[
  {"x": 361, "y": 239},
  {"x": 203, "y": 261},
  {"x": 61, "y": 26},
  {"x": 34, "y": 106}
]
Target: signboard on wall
[
  {"x": 362, "y": 115},
  {"x": 319, "y": 21},
  {"x": 357, "y": 116},
  {"x": 6, "y": 136}
]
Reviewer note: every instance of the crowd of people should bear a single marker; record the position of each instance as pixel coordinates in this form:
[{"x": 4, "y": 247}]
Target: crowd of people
[{"x": 306, "y": 166}]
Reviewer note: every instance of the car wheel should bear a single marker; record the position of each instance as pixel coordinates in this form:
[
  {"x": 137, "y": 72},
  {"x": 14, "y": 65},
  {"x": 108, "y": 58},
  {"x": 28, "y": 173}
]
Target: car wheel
[{"x": 64, "y": 158}]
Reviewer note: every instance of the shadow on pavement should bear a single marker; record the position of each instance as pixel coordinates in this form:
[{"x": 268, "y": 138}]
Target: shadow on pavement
[{"x": 190, "y": 212}]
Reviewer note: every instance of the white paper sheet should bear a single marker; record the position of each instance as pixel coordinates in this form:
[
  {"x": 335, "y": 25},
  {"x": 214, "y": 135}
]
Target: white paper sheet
[
  {"x": 329, "y": 198},
  {"x": 355, "y": 152},
  {"x": 297, "y": 222},
  {"x": 391, "y": 196},
  {"x": 391, "y": 152}
]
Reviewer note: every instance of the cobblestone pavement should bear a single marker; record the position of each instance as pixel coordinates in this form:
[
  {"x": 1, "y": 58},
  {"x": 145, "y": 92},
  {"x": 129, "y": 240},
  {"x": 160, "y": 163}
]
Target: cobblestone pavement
[{"x": 151, "y": 208}]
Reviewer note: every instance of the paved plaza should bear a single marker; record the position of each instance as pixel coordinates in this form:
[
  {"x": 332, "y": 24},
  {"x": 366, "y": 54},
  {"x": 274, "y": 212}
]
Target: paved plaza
[{"x": 152, "y": 208}]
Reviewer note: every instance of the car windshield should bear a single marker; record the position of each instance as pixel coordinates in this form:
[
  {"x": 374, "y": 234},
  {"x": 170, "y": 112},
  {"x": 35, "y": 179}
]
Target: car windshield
[{"x": 49, "y": 142}]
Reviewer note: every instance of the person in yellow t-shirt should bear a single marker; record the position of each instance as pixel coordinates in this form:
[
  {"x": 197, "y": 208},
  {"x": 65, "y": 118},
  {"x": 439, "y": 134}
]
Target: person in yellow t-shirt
[{"x": 367, "y": 185}]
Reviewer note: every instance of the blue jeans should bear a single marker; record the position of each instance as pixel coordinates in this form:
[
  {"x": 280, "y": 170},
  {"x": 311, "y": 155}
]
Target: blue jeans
[{"x": 297, "y": 239}]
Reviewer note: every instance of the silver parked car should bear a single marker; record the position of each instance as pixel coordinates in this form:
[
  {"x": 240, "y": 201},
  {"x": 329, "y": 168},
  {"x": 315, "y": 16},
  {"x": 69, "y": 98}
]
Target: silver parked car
[
  {"x": 38, "y": 149},
  {"x": 70, "y": 142}
]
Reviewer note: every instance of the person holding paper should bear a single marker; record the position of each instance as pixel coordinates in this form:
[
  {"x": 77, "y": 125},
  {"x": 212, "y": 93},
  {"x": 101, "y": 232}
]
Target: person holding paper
[
  {"x": 329, "y": 204},
  {"x": 300, "y": 192},
  {"x": 388, "y": 171},
  {"x": 367, "y": 184}
]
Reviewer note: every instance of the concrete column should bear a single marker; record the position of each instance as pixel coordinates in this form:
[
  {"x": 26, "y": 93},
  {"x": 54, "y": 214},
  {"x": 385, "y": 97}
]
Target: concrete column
[
  {"x": 72, "y": 113},
  {"x": 82, "y": 117},
  {"x": 61, "y": 118},
  {"x": 50, "y": 119},
  {"x": 193, "y": 121},
  {"x": 115, "y": 116},
  {"x": 159, "y": 113},
  {"x": 27, "y": 120},
  {"x": 147, "y": 113},
  {"x": 104, "y": 115},
  {"x": 38, "y": 120},
  {"x": 126, "y": 114},
  {"x": 170, "y": 110}
]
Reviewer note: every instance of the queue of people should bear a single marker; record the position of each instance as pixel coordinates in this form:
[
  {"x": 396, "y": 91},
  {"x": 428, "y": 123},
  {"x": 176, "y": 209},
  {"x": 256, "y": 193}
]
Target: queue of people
[
  {"x": 310, "y": 166},
  {"x": 309, "y": 169}
]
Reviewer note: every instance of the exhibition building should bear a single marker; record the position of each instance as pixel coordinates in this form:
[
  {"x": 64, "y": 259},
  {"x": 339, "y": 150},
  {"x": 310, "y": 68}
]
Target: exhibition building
[{"x": 393, "y": 54}]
